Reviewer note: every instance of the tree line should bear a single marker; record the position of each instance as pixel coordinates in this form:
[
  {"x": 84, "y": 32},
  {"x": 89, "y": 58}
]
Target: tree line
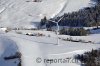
[{"x": 74, "y": 31}]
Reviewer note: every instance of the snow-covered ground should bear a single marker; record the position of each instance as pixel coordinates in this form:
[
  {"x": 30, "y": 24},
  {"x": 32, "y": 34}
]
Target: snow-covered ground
[
  {"x": 27, "y": 14},
  {"x": 94, "y": 38},
  {"x": 24, "y": 13},
  {"x": 32, "y": 47},
  {"x": 7, "y": 48}
]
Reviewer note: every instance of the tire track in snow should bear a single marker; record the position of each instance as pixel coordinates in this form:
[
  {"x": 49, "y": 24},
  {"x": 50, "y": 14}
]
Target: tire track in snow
[
  {"x": 63, "y": 8},
  {"x": 73, "y": 52},
  {"x": 2, "y": 10}
]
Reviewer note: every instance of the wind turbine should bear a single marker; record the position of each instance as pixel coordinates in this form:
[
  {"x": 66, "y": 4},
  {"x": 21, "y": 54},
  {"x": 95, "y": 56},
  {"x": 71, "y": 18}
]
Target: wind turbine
[{"x": 57, "y": 24}]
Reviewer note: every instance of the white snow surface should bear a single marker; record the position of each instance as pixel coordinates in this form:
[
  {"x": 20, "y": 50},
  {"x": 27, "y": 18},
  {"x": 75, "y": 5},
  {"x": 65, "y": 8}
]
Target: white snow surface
[
  {"x": 32, "y": 47},
  {"x": 7, "y": 48},
  {"x": 18, "y": 13}
]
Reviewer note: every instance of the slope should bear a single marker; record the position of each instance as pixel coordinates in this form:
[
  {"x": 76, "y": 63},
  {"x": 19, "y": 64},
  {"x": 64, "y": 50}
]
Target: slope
[{"x": 23, "y": 13}]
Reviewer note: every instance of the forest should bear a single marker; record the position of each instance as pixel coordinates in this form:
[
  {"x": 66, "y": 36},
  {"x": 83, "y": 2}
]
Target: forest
[
  {"x": 87, "y": 17},
  {"x": 91, "y": 58}
]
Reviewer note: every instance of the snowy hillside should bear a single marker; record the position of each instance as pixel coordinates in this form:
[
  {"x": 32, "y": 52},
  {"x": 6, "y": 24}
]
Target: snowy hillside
[{"x": 18, "y": 13}]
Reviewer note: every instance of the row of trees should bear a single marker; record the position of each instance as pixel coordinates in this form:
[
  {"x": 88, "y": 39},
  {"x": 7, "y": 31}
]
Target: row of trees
[
  {"x": 74, "y": 31},
  {"x": 37, "y": 0}
]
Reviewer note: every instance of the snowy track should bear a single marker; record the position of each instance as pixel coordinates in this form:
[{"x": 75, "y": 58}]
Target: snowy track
[{"x": 2, "y": 10}]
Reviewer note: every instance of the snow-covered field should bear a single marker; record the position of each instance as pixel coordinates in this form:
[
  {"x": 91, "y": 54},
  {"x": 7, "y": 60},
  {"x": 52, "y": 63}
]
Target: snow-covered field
[
  {"x": 24, "y": 13},
  {"x": 32, "y": 47}
]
